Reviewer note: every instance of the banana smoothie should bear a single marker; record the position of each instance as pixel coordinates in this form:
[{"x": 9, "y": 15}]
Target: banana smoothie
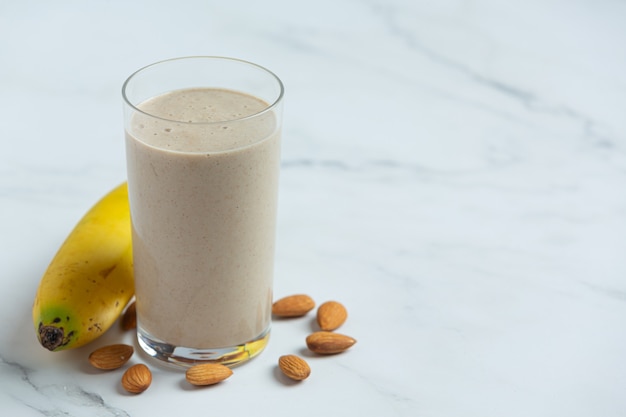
[{"x": 203, "y": 169}]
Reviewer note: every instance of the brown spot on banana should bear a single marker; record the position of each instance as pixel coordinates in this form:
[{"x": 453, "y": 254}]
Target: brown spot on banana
[
  {"x": 95, "y": 327},
  {"x": 106, "y": 272}
]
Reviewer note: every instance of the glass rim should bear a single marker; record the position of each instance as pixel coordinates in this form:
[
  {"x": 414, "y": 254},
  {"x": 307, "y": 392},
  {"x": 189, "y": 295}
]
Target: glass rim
[{"x": 269, "y": 108}]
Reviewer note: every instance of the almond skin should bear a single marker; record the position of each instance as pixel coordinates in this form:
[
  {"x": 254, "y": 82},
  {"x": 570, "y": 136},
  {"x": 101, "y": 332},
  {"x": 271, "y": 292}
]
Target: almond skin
[
  {"x": 328, "y": 343},
  {"x": 294, "y": 367},
  {"x": 111, "y": 356},
  {"x": 137, "y": 379},
  {"x": 207, "y": 374},
  {"x": 331, "y": 315},
  {"x": 129, "y": 318},
  {"x": 293, "y": 306}
]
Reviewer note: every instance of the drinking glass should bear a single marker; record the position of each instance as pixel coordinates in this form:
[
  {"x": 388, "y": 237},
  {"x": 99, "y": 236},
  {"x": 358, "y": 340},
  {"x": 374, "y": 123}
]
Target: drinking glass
[{"x": 203, "y": 155}]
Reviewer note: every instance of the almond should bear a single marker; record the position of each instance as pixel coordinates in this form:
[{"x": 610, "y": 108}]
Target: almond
[
  {"x": 137, "y": 379},
  {"x": 293, "y": 306},
  {"x": 327, "y": 343},
  {"x": 331, "y": 315},
  {"x": 207, "y": 374},
  {"x": 111, "y": 357},
  {"x": 294, "y": 367},
  {"x": 129, "y": 318}
]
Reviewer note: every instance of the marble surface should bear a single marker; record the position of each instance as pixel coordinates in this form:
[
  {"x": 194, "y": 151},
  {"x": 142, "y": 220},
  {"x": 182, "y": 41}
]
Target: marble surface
[{"x": 453, "y": 171}]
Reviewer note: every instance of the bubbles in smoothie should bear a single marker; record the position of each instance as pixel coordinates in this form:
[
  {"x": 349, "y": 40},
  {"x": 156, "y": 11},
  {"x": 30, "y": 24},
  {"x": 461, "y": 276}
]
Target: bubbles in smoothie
[{"x": 196, "y": 120}]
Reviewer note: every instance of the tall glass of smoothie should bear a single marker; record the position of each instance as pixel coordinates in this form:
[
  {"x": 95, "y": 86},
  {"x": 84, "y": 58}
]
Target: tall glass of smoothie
[{"x": 203, "y": 157}]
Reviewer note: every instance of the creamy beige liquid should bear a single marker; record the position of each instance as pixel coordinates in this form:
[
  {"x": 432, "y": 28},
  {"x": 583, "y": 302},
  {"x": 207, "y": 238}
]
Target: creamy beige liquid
[{"x": 203, "y": 205}]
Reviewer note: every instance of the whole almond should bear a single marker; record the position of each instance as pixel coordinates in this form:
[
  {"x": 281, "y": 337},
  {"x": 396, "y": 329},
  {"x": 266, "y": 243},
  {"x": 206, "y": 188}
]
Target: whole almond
[
  {"x": 207, "y": 374},
  {"x": 111, "y": 356},
  {"x": 129, "y": 318},
  {"x": 137, "y": 378},
  {"x": 328, "y": 343},
  {"x": 294, "y": 367},
  {"x": 293, "y": 306},
  {"x": 331, "y": 315}
]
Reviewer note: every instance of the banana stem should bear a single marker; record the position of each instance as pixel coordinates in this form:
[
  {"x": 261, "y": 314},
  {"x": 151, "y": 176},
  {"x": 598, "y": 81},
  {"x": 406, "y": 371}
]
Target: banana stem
[{"x": 51, "y": 337}]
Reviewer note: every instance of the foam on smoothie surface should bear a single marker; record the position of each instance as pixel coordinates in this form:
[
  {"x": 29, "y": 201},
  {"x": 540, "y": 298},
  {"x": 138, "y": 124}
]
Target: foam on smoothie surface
[{"x": 214, "y": 109}]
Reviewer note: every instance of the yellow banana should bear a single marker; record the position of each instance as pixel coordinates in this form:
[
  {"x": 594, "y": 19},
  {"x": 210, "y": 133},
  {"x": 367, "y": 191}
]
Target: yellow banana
[{"x": 90, "y": 279}]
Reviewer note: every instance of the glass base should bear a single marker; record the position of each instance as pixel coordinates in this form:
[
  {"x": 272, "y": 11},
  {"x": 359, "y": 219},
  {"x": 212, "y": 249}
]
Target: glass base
[{"x": 187, "y": 357}]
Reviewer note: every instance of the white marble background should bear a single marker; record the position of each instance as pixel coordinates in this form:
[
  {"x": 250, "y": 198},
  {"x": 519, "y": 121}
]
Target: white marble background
[{"x": 454, "y": 172}]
